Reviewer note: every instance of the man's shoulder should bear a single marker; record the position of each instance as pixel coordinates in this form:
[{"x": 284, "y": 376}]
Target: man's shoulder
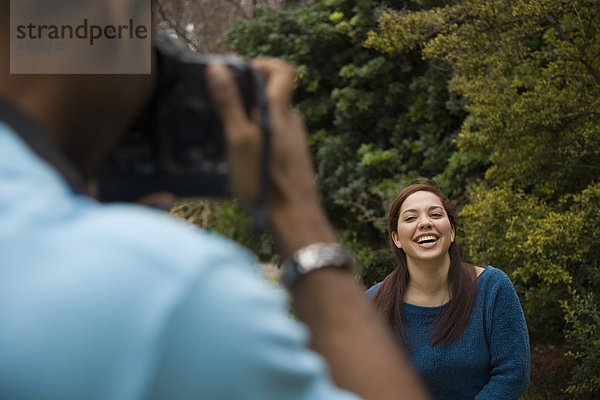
[
  {"x": 157, "y": 239},
  {"x": 40, "y": 211},
  {"x": 143, "y": 226},
  {"x": 102, "y": 282}
]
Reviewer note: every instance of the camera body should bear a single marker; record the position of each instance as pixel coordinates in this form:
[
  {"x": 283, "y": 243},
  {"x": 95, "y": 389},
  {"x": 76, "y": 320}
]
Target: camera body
[{"x": 177, "y": 143}]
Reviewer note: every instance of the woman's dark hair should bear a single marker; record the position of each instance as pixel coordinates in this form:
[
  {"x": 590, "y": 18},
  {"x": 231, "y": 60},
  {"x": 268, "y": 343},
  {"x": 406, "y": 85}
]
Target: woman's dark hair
[{"x": 462, "y": 278}]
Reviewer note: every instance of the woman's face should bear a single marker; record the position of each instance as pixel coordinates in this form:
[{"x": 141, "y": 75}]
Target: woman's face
[{"x": 424, "y": 231}]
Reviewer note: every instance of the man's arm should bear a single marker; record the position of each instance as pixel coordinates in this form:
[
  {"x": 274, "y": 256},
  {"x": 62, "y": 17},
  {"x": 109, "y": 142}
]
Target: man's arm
[{"x": 346, "y": 329}]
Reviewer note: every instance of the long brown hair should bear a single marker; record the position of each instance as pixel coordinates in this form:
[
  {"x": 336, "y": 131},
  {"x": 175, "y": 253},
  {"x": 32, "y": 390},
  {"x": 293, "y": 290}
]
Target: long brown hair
[{"x": 462, "y": 278}]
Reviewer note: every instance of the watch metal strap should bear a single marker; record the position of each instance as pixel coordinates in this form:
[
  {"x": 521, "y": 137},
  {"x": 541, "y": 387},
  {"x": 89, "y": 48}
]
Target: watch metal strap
[{"x": 314, "y": 257}]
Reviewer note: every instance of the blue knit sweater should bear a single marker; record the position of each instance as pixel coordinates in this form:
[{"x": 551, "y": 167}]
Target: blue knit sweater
[{"x": 489, "y": 361}]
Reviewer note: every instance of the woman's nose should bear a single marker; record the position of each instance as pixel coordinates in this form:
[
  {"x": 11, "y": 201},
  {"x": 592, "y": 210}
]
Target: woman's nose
[{"x": 424, "y": 223}]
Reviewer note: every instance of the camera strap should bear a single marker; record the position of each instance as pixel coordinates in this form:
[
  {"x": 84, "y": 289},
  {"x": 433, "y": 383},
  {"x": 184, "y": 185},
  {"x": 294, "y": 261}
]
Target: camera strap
[
  {"x": 34, "y": 136},
  {"x": 260, "y": 217}
]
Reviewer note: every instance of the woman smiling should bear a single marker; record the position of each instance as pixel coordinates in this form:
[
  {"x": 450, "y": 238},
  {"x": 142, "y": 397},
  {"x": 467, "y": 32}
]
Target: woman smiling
[{"x": 463, "y": 325}]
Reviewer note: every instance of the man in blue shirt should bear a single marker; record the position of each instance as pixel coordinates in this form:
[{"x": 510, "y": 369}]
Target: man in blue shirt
[{"x": 124, "y": 302}]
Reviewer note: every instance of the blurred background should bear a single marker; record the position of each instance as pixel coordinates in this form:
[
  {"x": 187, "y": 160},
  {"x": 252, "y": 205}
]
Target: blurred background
[{"x": 497, "y": 101}]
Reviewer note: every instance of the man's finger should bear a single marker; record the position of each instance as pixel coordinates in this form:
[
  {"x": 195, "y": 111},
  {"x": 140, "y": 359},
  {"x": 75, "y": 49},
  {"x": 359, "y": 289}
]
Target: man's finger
[
  {"x": 161, "y": 200},
  {"x": 281, "y": 79},
  {"x": 225, "y": 97}
]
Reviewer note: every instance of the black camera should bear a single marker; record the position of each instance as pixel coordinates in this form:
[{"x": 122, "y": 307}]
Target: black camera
[{"x": 177, "y": 143}]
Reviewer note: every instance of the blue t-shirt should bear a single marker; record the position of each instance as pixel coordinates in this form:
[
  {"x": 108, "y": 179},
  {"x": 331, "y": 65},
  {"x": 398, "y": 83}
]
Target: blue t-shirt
[
  {"x": 123, "y": 302},
  {"x": 489, "y": 361}
]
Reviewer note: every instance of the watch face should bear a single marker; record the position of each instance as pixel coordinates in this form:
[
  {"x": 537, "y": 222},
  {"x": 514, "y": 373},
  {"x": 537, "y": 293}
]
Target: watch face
[
  {"x": 316, "y": 256},
  {"x": 307, "y": 260},
  {"x": 313, "y": 257}
]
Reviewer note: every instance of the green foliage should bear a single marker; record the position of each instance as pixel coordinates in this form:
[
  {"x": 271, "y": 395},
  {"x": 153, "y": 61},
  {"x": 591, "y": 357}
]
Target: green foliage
[
  {"x": 583, "y": 315},
  {"x": 551, "y": 252},
  {"x": 530, "y": 75},
  {"x": 530, "y": 78},
  {"x": 379, "y": 260},
  {"x": 544, "y": 251},
  {"x": 376, "y": 121},
  {"x": 228, "y": 219},
  {"x": 501, "y": 226}
]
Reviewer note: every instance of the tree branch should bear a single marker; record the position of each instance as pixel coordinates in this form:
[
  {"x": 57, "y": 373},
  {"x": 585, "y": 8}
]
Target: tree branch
[
  {"x": 173, "y": 25},
  {"x": 595, "y": 73},
  {"x": 236, "y": 4}
]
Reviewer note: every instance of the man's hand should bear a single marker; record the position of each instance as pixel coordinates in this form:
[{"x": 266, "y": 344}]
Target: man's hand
[{"x": 295, "y": 212}]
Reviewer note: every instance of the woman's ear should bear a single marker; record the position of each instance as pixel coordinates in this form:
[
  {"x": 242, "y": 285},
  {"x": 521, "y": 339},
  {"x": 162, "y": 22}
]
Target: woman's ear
[
  {"x": 396, "y": 241},
  {"x": 452, "y": 236}
]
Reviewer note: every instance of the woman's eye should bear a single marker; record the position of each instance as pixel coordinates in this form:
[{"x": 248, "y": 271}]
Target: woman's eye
[
  {"x": 408, "y": 219},
  {"x": 436, "y": 215}
]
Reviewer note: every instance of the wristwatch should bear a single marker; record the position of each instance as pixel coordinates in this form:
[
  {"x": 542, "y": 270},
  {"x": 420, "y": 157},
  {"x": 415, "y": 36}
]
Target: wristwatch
[{"x": 314, "y": 257}]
